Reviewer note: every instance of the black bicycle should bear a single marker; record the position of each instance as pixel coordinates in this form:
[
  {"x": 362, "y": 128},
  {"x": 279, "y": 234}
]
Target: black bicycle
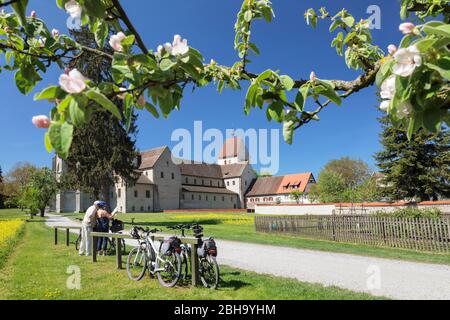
[{"x": 207, "y": 252}]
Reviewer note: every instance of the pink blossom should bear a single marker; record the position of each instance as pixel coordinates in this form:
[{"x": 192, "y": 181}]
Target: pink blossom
[
  {"x": 74, "y": 82},
  {"x": 41, "y": 121},
  {"x": 115, "y": 41},
  {"x": 33, "y": 14},
  {"x": 313, "y": 76},
  {"x": 392, "y": 49},
  {"x": 55, "y": 33},
  {"x": 407, "y": 28}
]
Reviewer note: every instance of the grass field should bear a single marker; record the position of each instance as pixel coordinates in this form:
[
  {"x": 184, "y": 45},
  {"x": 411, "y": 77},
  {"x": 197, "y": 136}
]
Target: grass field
[
  {"x": 239, "y": 227},
  {"x": 38, "y": 270}
]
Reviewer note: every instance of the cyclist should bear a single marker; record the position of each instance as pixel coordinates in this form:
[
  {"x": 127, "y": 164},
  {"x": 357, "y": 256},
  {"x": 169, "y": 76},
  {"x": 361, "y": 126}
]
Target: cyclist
[
  {"x": 87, "y": 226},
  {"x": 103, "y": 218}
]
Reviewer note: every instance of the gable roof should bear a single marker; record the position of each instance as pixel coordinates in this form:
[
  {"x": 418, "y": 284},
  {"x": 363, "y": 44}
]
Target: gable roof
[
  {"x": 277, "y": 185},
  {"x": 143, "y": 179},
  {"x": 215, "y": 171},
  {"x": 233, "y": 170},
  {"x": 231, "y": 148},
  {"x": 150, "y": 157}
]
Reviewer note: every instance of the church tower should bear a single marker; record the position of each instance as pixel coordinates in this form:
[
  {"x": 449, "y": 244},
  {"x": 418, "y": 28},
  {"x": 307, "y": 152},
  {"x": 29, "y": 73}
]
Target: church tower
[{"x": 233, "y": 151}]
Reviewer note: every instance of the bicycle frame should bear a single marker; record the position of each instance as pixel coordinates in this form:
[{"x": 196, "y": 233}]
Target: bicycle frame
[{"x": 148, "y": 241}]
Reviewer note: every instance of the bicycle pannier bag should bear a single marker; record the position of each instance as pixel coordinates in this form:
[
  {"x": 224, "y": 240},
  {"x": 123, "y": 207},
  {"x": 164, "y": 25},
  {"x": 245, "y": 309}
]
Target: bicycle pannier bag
[
  {"x": 209, "y": 248},
  {"x": 170, "y": 245},
  {"x": 116, "y": 226}
]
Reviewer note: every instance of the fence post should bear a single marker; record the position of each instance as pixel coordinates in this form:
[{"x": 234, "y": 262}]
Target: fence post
[
  {"x": 333, "y": 224},
  {"x": 383, "y": 228}
]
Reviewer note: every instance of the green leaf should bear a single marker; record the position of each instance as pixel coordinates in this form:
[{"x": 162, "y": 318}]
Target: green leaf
[
  {"x": 151, "y": 108},
  {"x": 265, "y": 75},
  {"x": 166, "y": 64},
  {"x": 276, "y": 111},
  {"x": 443, "y": 30},
  {"x": 61, "y": 137},
  {"x": 442, "y": 66},
  {"x": 432, "y": 119},
  {"x": 51, "y": 92},
  {"x": 250, "y": 98},
  {"x": 47, "y": 143},
  {"x": 95, "y": 8},
  {"x": 100, "y": 32},
  {"x": 104, "y": 102},
  {"x": 77, "y": 113},
  {"x": 248, "y": 16},
  {"x": 287, "y": 82},
  {"x": 20, "y": 8},
  {"x": 301, "y": 97}
]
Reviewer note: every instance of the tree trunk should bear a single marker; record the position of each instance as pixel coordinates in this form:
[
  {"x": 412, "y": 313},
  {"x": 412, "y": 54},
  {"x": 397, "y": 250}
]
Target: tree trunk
[{"x": 42, "y": 210}]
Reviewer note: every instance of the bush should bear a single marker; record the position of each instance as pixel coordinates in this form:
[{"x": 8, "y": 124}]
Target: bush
[{"x": 411, "y": 213}]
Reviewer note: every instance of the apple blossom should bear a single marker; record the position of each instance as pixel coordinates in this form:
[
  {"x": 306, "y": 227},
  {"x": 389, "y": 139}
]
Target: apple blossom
[
  {"x": 313, "y": 76},
  {"x": 179, "y": 45},
  {"x": 406, "y": 61},
  {"x": 388, "y": 88},
  {"x": 73, "y": 8},
  {"x": 33, "y": 14},
  {"x": 42, "y": 122},
  {"x": 55, "y": 33},
  {"x": 74, "y": 82},
  {"x": 407, "y": 28},
  {"x": 115, "y": 41},
  {"x": 160, "y": 49},
  {"x": 392, "y": 49},
  {"x": 384, "y": 106}
]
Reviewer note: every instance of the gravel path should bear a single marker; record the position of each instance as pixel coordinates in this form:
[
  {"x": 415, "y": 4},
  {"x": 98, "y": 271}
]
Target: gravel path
[{"x": 385, "y": 277}]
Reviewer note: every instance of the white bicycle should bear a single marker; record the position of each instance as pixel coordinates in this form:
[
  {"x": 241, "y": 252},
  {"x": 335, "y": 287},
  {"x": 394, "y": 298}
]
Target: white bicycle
[{"x": 165, "y": 263}]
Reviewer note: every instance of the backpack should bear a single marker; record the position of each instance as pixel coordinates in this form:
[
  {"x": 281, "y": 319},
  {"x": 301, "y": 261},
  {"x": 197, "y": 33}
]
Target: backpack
[
  {"x": 170, "y": 245},
  {"x": 116, "y": 226},
  {"x": 208, "y": 248}
]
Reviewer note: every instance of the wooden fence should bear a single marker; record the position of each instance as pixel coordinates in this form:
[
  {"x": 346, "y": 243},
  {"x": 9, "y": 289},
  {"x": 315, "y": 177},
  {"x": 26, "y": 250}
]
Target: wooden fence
[{"x": 421, "y": 234}]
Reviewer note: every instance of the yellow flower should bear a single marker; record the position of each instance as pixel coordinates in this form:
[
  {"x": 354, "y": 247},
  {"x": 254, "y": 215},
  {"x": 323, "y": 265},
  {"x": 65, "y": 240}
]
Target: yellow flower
[{"x": 8, "y": 230}]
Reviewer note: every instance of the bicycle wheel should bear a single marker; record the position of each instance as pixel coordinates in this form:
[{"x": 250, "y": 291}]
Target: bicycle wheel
[
  {"x": 209, "y": 272},
  {"x": 111, "y": 247},
  {"x": 137, "y": 263},
  {"x": 186, "y": 262},
  {"x": 77, "y": 242},
  {"x": 171, "y": 269}
]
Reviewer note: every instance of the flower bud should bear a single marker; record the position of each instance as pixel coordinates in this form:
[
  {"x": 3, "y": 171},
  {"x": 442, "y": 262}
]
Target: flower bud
[{"x": 407, "y": 28}]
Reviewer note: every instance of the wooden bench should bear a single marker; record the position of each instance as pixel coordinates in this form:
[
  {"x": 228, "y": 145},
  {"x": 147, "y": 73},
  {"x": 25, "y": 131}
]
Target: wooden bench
[
  {"x": 194, "y": 242},
  {"x": 68, "y": 228}
]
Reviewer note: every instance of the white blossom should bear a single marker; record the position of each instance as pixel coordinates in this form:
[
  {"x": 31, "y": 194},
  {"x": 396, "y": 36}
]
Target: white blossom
[
  {"x": 74, "y": 82},
  {"x": 73, "y": 8},
  {"x": 406, "y": 61},
  {"x": 115, "y": 41}
]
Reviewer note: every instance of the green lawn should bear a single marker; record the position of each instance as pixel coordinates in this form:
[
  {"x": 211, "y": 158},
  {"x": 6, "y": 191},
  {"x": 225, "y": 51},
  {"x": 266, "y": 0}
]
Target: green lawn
[
  {"x": 239, "y": 227},
  {"x": 6, "y": 214},
  {"x": 37, "y": 270}
]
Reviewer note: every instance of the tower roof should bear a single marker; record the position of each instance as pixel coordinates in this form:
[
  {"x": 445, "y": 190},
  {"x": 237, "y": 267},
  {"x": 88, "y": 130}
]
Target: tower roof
[{"x": 232, "y": 147}]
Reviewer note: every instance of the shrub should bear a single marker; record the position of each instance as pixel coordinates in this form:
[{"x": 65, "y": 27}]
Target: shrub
[{"x": 411, "y": 212}]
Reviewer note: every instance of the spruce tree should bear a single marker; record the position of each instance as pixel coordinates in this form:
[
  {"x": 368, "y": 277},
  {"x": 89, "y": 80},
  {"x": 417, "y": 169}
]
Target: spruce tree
[
  {"x": 416, "y": 169},
  {"x": 104, "y": 148}
]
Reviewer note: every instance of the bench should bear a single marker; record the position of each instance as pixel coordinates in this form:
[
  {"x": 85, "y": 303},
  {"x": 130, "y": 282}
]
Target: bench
[
  {"x": 68, "y": 228},
  {"x": 194, "y": 242}
]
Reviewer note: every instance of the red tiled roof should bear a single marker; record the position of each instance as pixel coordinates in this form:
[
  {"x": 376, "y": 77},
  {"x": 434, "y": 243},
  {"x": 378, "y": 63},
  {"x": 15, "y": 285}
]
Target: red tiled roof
[
  {"x": 276, "y": 185},
  {"x": 231, "y": 148}
]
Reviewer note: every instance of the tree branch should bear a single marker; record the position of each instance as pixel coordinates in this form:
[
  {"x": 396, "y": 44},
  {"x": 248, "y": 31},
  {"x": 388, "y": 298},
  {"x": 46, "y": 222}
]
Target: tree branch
[{"x": 126, "y": 20}]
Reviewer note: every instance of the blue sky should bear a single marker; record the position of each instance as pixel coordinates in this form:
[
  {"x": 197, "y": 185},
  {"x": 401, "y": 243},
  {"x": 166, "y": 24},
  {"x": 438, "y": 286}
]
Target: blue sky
[{"x": 286, "y": 44}]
